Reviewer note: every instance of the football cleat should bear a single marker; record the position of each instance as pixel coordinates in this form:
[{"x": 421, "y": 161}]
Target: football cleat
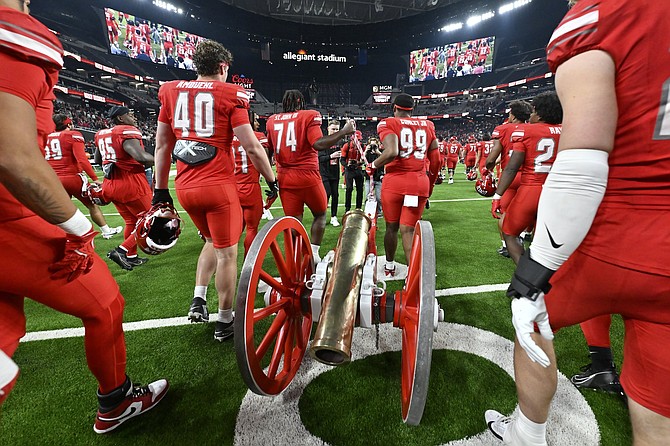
[
  {"x": 118, "y": 256},
  {"x": 158, "y": 229},
  {"x": 198, "y": 311},
  {"x": 503, "y": 252},
  {"x": 137, "y": 401},
  {"x": 451, "y": 181},
  {"x": 112, "y": 232},
  {"x": 389, "y": 272},
  {"x": 9, "y": 372},
  {"x": 497, "y": 423},
  {"x": 605, "y": 380},
  {"x": 224, "y": 330},
  {"x": 137, "y": 260},
  {"x": 334, "y": 222}
]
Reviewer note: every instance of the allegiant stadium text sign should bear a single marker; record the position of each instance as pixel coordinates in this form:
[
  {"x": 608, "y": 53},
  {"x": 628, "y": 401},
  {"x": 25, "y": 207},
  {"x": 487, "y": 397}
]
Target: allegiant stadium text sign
[{"x": 304, "y": 57}]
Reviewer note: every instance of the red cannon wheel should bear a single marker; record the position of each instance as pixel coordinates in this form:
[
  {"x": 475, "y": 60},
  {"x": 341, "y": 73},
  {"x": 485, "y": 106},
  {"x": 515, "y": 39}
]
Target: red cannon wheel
[
  {"x": 270, "y": 341},
  {"x": 416, "y": 321}
]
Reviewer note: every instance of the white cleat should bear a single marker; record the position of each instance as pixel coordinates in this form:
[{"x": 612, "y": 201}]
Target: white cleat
[{"x": 112, "y": 232}]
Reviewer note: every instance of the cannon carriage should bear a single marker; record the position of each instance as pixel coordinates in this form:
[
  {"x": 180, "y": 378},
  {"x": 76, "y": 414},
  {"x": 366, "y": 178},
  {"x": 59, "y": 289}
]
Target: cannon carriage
[{"x": 275, "y": 315}]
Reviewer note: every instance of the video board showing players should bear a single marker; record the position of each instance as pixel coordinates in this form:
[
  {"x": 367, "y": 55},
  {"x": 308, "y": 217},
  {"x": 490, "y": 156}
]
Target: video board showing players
[
  {"x": 143, "y": 39},
  {"x": 452, "y": 60}
]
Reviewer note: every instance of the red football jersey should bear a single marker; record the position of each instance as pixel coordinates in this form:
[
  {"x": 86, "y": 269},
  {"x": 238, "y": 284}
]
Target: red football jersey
[
  {"x": 640, "y": 162},
  {"x": 539, "y": 141},
  {"x": 245, "y": 172},
  {"x": 484, "y": 149},
  {"x": 503, "y": 133},
  {"x": 110, "y": 144},
  {"x": 291, "y": 136},
  {"x": 471, "y": 149},
  {"x": 31, "y": 57},
  {"x": 454, "y": 149},
  {"x": 207, "y": 112},
  {"x": 66, "y": 155},
  {"x": 415, "y": 135}
]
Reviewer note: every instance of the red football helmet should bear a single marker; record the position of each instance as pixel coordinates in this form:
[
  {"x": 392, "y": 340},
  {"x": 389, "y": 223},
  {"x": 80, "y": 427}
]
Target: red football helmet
[
  {"x": 486, "y": 186},
  {"x": 158, "y": 229},
  {"x": 472, "y": 175},
  {"x": 94, "y": 192}
]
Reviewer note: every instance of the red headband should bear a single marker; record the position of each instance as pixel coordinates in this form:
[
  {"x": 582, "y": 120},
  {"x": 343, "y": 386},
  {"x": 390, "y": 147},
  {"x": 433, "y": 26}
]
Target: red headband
[
  {"x": 67, "y": 121},
  {"x": 404, "y": 108}
]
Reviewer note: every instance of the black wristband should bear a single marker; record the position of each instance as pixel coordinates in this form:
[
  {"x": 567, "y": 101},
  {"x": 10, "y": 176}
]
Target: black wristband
[
  {"x": 530, "y": 279},
  {"x": 161, "y": 196}
]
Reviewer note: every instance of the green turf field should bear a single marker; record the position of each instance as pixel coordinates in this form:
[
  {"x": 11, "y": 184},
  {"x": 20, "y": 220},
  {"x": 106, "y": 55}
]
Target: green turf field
[{"x": 54, "y": 400}]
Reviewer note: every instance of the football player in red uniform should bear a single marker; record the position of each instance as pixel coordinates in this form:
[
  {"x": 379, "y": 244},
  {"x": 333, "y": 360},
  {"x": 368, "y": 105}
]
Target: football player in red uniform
[
  {"x": 295, "y": 136},
  {"x": 484, "y": 148},
  {"x": 502, "y": 146},
  {"x": 196, "y": 125},
  {"x": 408, "y": 142},
  {"x": 48, "y": 242},
  {"x": 121, "y": 151},
  {"x": 533, "y": 153},
  {"x": 470, "y": 154},
  {"x": 248, "y": 186},
  {"x": 453, "y": 151},
  {"x": 64, "y": 150},
  {"x": 603, "y": 213}
]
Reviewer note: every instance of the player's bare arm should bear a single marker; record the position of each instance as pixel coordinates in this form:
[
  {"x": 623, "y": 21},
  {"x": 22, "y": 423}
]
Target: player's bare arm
[
  {"x": 165, "y": 141},
  {"x": 25, "y": 173},
  {"x": 255, "y": 151},
  {"x": 390, "y": 151},
  {"x": 513, "y": 166},
  {"x": 134, "y": 149},
  {"x": 492, "y": 159}
]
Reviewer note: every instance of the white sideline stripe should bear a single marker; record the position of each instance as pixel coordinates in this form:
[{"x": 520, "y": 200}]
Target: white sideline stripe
[{"x": 183, "y": 320}]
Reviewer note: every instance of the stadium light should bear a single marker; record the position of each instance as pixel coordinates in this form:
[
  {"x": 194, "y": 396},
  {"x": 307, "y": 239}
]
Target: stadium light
[
  {"x": 168, "y": 6},
  {"x": 507, "y": 7},
  {"x": 475, "y": 19},
  {"x": 452, "y": 27}
]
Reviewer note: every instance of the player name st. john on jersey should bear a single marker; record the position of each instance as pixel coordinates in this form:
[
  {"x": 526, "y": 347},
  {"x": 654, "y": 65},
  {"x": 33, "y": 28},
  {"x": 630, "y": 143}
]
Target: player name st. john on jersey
[{"x": 292, "y": 135}]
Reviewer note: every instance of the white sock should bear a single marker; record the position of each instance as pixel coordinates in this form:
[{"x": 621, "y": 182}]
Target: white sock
[
  {"x": 525, "y": 432},
  {"x": 225, "y": 316},
  {"x": 201, "y": 292},
  {"x": 315, "y": 250},
  {"x": 105, "y": 228}
]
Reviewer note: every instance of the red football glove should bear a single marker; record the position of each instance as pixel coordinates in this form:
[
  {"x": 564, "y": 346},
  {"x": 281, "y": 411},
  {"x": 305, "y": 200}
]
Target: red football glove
[
  {"x": 77, "y": 259},
  {"x": 495, "y": 208},
  {"x": 369, "y": 170}
]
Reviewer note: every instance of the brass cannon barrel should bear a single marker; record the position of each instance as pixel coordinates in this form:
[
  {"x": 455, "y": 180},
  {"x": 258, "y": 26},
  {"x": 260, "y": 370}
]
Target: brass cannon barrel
[{"x": 332, "y": 340}]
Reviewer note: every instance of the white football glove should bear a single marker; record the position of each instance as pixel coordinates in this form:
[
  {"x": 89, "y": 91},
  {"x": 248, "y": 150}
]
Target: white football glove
[{"x": 525, "y": 313}]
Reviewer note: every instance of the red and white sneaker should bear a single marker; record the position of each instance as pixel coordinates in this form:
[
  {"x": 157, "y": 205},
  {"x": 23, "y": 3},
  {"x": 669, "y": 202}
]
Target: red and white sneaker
[
  {"x": 138, "y": 400},
  {"x": 389, "y": 272},
  {"x": 9, "y": 372}
]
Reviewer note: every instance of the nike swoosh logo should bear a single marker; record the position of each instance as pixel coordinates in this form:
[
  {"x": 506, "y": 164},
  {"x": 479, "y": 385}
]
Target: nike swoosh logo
[
  {"x": 130, "y": 412},
  {"x": 551, "y": 239}
]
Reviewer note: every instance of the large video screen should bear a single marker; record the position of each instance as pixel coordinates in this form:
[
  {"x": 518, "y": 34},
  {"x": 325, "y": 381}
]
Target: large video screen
[
  {"x": 452, "y": 60},
  {"x": 142, "y": 39}
]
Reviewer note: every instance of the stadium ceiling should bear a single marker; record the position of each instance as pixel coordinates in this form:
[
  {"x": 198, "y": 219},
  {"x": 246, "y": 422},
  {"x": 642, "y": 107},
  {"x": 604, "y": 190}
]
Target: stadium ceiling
[{"x": 335, "y": 12}]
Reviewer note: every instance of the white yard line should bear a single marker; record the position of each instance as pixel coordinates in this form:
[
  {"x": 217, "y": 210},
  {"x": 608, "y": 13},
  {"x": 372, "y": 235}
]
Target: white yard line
[{"x": 183, "y": 320}]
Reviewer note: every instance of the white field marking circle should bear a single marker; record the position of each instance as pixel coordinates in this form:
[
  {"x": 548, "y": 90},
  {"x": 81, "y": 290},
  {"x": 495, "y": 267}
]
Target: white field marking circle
[{"x": 276, "y": 420}]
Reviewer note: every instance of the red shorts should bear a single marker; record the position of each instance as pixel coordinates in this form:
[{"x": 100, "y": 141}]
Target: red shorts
[
  {"x": 215, "y": 211},
  {"x": 394, "y": 211},
  {"x": 73, "y": 185},
  {"x": 451, "y": 162},
  {"x": 299, "y": 188},
  {"x": 509, "y": 194},
  {"x": 470, "y": 161},
  {"x": 127, "y": 187},
  {"x": 585, "y": 287},
  {"x": 522, "y": 211}
]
